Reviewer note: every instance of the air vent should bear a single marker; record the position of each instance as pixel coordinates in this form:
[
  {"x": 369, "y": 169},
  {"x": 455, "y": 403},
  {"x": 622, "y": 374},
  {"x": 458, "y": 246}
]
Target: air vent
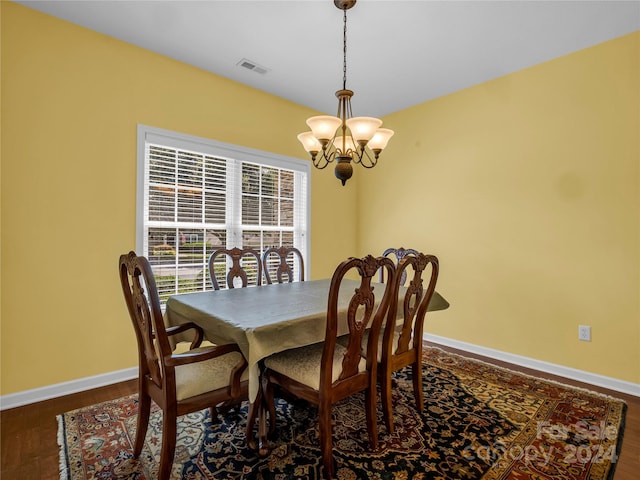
[{"x": 248, "y": 64}]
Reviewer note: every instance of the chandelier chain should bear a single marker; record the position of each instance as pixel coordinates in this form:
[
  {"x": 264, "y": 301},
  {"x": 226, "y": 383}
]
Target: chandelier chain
[{"x": 344, "y": 50}]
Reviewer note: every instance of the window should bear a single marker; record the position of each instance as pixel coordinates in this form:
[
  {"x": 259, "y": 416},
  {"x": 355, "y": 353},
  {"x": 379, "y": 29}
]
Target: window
[{"x": 196, "y": 195}]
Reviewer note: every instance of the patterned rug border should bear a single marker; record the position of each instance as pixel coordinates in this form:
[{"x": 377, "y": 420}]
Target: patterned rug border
[
  {"x": 528, "y": 375},
  {"x": 431, "y": 356},
  {"x": 585, "y": 390}
]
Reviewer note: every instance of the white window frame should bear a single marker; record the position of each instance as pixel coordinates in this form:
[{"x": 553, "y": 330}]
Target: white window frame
[{"x": 235, "y": 155}]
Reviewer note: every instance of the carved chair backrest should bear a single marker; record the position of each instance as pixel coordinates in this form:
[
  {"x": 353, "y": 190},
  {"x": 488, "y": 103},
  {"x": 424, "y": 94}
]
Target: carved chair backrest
[
  {"x": 415, "y": 302},
  {"x": 227, "y": 265},
  {"x": 282, "y": 264},
  {"x": 141, "y": 296},
  {"x": 367, "y": 310},
  {"x": 399, "y": 253}
]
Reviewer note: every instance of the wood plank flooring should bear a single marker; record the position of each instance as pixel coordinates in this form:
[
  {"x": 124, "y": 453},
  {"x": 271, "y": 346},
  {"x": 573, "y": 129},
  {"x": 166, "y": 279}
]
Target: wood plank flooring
[{"x": 29, "y": 446}]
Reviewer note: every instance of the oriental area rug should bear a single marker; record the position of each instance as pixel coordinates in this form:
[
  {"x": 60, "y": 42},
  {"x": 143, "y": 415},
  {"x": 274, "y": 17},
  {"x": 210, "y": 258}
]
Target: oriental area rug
[{"x": 479, "y": 422}]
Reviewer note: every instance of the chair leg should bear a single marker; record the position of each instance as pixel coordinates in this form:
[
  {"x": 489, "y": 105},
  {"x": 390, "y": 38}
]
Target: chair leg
[
  {"x": 214, "y": 415},
  {"x": 269, "y": 399},
  {"x": 385, "y": 392},
  {"x": 144, "y": 409},
  {"x": 234, "y": 404},
  {"x": 417, "y": 384},
  {"x": 169, "y": 430},
  {"x": 263, "y": 444},
  {"x": 326, "y": 441},
  {"x": 254, "y": 408},
  {"x": 372, "y": 423}
]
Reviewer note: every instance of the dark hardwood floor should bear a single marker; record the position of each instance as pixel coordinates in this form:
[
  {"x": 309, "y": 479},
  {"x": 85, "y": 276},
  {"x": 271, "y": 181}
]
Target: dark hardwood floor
[{"x": 29, "y": 433}]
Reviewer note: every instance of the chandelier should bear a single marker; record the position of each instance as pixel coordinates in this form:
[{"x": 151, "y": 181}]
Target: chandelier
[{"x": 344, "y": 138}]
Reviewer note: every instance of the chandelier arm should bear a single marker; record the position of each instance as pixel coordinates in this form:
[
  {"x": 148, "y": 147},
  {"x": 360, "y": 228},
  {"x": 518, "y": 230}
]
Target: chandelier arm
[
  {"x": 319, "y": 164},
  {"x": 331, "y": 148},
  {"x": 364, "y": 158},
  {"x": 322, "y": 161}
]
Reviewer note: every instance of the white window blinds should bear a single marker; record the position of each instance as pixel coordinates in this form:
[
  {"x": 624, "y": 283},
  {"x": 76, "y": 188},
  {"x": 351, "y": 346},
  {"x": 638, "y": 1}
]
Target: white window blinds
[{"x": 196, "y": 195}]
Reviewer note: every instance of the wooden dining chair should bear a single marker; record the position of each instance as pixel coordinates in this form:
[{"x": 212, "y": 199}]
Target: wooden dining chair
[
  {"x": 282, "y": 264},
  {"x": 399, "y": 254},
  {"x": 401, "y": 343},
  {"x": 327, "y": 372},
  {"x": 203, "y": 377},
  {"x": 246, "y": 265}
]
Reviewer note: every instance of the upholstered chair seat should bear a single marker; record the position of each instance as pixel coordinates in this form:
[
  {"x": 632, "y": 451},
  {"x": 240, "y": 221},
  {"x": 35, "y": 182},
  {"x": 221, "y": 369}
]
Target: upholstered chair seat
[
  {"x": 194, "y": 379},
  {"x": 303, "y": 364}
]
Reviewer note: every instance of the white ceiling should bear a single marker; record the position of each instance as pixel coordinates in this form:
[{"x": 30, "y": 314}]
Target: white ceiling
[{"x": 400, "y": 52}]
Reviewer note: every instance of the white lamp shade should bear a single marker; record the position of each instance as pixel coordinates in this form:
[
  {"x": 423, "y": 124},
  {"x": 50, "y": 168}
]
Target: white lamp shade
[
  {"x": 380, "y": 139},
  {"x": 363, "y": 128},
  {"x": 348, "y": 144},
  {"x": 309, "y": 142},
  {"x": 324, "y": 126}
]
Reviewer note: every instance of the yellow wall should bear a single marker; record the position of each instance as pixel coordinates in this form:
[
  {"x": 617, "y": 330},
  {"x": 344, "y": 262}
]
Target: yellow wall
[
  {"x": 71, "y": 101},
  {"x": 527, "y": 188}
]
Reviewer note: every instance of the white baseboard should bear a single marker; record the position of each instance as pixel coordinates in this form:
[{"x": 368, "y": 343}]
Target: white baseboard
[
  {"x": 25, "y": 397},
  {"x": 566, "y": 372}
]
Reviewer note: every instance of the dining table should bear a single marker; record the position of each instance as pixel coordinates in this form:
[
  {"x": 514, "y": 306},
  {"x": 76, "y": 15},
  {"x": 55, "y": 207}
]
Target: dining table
[{"x": 267, "y": 319}]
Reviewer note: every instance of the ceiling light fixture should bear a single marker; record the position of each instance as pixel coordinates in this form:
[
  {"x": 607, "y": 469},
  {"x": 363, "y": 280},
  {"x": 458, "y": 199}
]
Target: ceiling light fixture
[{"x": 344, "y": 138}]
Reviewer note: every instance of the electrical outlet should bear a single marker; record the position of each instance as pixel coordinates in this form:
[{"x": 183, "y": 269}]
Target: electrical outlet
[{"x": 584, "y": 333}]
